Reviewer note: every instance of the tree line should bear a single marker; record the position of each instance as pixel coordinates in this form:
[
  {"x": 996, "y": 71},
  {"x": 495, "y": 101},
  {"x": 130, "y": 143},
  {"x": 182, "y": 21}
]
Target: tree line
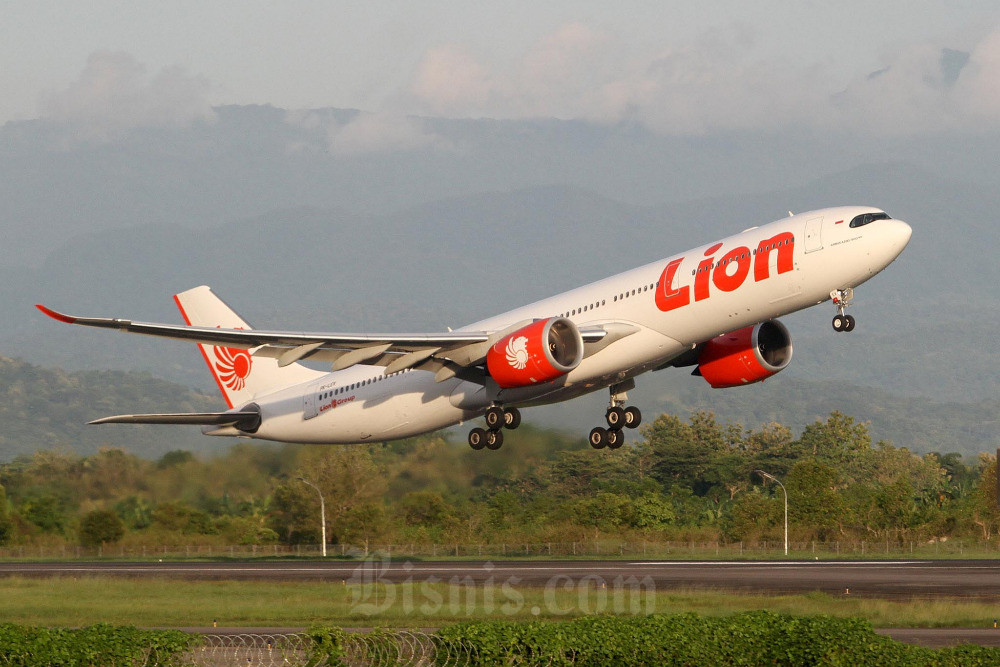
[{"x": 693, "y": 479}]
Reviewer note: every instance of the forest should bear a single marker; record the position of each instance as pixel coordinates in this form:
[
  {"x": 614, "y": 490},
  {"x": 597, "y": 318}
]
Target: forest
[{"x": 680, "y": 479}]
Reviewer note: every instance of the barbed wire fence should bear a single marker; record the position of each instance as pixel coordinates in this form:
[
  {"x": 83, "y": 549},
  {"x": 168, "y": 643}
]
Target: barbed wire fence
[{"x": 376, "y": 648}]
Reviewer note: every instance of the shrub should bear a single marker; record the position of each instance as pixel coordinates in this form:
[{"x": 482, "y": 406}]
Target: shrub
[
  {"x": 100, "y": 644},
  {"x": 99, "y": 527},
  {"x": 751, "y": 638}
]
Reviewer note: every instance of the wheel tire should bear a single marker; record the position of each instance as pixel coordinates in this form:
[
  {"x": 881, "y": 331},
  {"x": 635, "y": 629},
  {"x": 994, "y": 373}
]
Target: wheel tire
[
  {"x": 599, "y": 437},
  {"x": 615, "y": 438},
  {"x": 494, "y": 418},
  {"x": 849, "y": 323},
  {"x": 494, "y": 439},
  {"x": 477, "y": 438},
  {"x": 511, "y": 418},
  {"x": 615, "y": 417},
  {"x": 633, "y": 417},
  {"x": 839, "y": 323}
]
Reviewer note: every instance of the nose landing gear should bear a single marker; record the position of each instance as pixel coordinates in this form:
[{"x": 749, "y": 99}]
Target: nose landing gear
[
  {"x": 497, "y": 418},
  {"x": 617, "y": 417},
  {"x": 842, "y": 299}
]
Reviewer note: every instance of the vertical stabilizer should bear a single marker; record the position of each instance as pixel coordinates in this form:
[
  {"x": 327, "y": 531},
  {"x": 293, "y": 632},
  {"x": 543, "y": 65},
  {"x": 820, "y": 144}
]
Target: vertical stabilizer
[{"x": 240, "y": 375}]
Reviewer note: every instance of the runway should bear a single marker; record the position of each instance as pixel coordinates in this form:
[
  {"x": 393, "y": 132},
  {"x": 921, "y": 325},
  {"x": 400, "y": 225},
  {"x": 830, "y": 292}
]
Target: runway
[{"x": 978, "y": 579}]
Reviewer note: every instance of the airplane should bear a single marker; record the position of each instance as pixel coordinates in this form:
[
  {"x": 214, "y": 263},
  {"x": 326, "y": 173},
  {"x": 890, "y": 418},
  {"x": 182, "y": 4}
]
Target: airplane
[{"x": 712, "y": 308}]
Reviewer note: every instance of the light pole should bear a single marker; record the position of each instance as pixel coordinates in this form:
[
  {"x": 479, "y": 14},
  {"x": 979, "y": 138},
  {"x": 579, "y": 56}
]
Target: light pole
[
  {"x": 322, "y": 511},
  {"x": 778, "y": 482}
]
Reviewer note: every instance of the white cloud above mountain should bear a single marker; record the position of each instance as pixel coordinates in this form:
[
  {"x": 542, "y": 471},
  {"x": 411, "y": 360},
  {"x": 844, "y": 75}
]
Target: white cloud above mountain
[{"x": 114, "y": 93}]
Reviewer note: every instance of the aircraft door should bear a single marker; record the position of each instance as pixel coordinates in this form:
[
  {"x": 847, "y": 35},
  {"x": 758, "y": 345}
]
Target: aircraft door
[
  {"x": 814, "y": 234},
  {"x": 310, "y": 406}
]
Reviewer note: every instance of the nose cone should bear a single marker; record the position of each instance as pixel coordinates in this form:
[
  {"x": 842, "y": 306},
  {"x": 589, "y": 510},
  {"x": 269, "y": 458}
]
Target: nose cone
[
  {"x": 901, "y": 233},
  {"x": 904, "y": 231}
]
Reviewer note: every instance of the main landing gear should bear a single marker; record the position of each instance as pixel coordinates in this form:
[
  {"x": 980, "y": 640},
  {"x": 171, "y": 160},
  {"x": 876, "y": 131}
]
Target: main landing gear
[
  {"x": 842, "y": 299},
  {"x": 497, "y": 418},
  {"x": 617, "y": 417}
]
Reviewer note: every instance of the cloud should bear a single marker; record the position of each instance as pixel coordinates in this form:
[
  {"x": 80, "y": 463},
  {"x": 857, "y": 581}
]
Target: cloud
[
  {"x": 381, "y": 133},
  {"x": 114, "y": 94},
  {"x": 713, "y": 82},
  {"x": 450, "y": 79}
]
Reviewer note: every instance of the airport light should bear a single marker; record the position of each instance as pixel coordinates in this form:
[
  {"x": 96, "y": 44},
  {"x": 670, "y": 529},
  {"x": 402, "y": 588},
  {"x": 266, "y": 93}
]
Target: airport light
[
  {"x": 778, "y": 482},
  {"x": 322, "y": 511}
]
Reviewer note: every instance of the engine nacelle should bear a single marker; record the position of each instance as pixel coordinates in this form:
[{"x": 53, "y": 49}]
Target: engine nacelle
[
  {"x": 747, "y": 355},
  {"x": 536, "y": 353}
]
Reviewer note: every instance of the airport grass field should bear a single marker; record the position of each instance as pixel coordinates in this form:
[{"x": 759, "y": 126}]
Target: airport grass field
[{"x": 77, "y": 601}]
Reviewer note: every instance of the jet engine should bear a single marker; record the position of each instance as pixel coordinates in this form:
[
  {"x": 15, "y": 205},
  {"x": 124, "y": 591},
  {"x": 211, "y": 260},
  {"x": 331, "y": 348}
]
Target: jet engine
[
  {"x": 536, "y": 353},
  {"x": 746, "y": 355}
]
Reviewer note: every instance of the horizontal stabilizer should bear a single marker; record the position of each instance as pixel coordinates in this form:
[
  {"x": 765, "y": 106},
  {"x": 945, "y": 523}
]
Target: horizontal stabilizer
[{"x": 247, "y": 420}]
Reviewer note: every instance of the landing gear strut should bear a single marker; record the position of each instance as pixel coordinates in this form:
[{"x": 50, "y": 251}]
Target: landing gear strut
[
  {"x": 497, "y": 418},
  {"x": 842, "y": 299},
  {"x": 617, "y": 417}
]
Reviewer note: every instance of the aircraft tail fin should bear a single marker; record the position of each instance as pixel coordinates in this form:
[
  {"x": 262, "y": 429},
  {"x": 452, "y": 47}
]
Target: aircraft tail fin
[{"x": 240, "y": 375}]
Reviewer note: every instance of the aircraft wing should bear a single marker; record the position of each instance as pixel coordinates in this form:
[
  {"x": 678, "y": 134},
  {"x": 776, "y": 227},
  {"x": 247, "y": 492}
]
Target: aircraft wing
[{"x": 446, "y": 353}]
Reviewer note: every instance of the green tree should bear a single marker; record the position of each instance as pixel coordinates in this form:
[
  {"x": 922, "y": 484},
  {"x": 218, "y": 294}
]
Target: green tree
[
  {"x": 984, "y": 509},
  {"x": 838, "y": 441},
  {"x": 6, "y": 525},
  {"x": 362, "y": 524},
  {"x": 100, "y": 527},
  {"x": 813, "y": 501},
  {"x": 46, "y": 512},
  {"x": 136, "y": 512},
  {"x": 426, "y": 508},
  {"x": 751, "y": 515},
  {"x": 683, "y": 453}
]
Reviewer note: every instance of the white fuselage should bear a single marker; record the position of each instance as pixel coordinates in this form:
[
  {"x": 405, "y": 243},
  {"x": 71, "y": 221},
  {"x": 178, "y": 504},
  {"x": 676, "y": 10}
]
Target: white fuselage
[{"x": 818, "y": 252}]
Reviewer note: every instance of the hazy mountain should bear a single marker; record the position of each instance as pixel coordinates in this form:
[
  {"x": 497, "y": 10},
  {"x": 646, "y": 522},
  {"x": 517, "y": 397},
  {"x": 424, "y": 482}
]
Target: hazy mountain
[
  {"x": 46, "y": 408},
  {"x": 254, "y": 159}
]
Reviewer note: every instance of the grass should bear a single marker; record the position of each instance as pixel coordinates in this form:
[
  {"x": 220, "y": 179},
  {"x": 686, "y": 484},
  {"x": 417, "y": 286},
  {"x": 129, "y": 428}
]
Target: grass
[{"x": 72, "y": 601}]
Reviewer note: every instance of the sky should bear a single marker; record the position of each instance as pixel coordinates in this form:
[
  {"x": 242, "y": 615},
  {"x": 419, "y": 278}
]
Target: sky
[{"x": 896, "y": 66}]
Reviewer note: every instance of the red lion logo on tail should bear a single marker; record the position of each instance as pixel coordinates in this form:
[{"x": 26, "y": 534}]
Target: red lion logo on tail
[{"x": 233, "y": 366}]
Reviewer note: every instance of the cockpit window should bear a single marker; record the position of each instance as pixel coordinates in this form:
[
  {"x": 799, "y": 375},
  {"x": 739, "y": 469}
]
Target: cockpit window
[{"x": 865, "y": 218}]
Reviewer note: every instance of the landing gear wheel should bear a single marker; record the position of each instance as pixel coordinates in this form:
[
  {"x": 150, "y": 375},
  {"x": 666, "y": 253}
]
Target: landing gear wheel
[
  {"x": 849, "y": 323},
  {"x": 477, "y": 438},
  {"x": 632, "y": 417},
  {"x": 511, "y": 418},
  {"x": 615, "y": 438},
  {"x": 494, "y": 417},
  {"x": 494, "y": 439},
  {"x": 839, "y": 322},
  {"x": 599, "y": 438},
  {"x": 615, "y": 417}
]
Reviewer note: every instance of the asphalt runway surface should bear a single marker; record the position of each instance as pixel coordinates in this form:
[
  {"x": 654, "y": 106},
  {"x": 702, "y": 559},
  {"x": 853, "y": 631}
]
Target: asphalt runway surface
[{"x": 971, "y": 579}]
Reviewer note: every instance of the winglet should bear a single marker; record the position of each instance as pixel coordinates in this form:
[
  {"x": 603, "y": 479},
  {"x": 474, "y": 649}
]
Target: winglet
[{"x": 55, "y": 315}]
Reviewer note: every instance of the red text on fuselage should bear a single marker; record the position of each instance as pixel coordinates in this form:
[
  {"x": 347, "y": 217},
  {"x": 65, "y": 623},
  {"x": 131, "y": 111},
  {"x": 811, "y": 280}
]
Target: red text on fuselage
[{"x": 727, "y": 273}]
